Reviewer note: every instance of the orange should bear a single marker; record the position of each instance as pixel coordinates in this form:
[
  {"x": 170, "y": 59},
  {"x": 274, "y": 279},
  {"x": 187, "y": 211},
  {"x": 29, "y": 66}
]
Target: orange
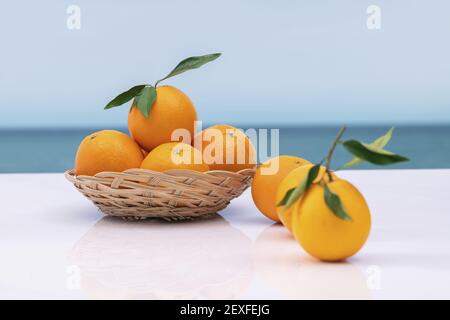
[
  {"x": 174, "y": 155},
  {"x": 267, "y": 178},
  {"x": 292, "y": 180},
  {"x": 324, "y": 235},
  {"x": 171, "y": 110},
  {"x": 107, "y": 150},
  {"x": 225, "y": 147}
]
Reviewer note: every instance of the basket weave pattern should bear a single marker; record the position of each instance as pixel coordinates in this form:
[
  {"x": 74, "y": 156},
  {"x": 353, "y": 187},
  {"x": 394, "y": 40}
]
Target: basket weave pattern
[{"x": 172, "y": 195}]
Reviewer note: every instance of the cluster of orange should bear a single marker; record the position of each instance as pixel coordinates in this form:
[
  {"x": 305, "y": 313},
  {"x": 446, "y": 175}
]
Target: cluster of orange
[
  {"x": 320, "y": 232},
  {"x": 150, "y": 145}
]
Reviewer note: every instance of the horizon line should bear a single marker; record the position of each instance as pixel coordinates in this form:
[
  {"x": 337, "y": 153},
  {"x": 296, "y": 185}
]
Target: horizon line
[{"x": 239, "y": 125}]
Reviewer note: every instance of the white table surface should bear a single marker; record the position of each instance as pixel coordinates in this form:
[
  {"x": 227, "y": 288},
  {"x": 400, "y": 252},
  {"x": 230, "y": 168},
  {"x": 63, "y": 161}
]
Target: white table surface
[{"x": 55, "y": 244}]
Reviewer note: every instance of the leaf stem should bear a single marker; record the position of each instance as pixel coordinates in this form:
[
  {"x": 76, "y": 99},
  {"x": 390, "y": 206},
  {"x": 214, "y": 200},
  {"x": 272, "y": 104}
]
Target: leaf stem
[{"x": 331, "y": 151}]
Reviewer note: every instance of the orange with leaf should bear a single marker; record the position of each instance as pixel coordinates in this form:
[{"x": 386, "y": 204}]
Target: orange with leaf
[
  {"x": 327, "y": 215},
  {"x": 171, "y": 110},
  {"x": 289, "y": 181},
  {"x": 157, "y": 111},
  {"x": 266, "y": 180}
]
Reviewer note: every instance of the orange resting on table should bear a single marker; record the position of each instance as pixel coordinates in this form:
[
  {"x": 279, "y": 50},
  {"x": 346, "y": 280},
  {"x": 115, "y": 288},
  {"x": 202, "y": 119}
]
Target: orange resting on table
[
  {"x": 324, "y": 235},
  {"x": 267, "y": 178}
]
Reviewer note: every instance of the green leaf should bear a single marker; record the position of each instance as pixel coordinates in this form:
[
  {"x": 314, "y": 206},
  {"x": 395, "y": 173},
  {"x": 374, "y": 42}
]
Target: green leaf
[
  {"x": 379, "y": 143},
  {"x": 373, "y": 155},
  {"x": 125, "y": 96},
  {"x": 144, "y": 101},
  {"x": 286, "y": 197},
  {"x": 191, "y": 63},
  {"x": 292, "y": 195},
  {"x": 334, "y": 203},
  {"x": 382, "y": 141}
]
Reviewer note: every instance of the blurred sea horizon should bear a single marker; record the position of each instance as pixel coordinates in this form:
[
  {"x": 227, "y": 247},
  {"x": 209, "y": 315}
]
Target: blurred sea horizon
[{"x": 53, "y": 149}]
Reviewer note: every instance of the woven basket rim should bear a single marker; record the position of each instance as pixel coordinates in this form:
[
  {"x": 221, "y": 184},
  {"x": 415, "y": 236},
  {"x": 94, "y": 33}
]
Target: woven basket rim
[{"x": 70, "y": 173}]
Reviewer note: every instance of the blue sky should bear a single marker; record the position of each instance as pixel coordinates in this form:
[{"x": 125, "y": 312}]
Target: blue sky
[{"x": 284, "y": 62}]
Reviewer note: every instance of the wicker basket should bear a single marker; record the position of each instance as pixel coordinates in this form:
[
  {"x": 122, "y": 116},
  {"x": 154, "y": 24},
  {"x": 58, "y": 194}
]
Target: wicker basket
[{"x": 171, "y": 195}]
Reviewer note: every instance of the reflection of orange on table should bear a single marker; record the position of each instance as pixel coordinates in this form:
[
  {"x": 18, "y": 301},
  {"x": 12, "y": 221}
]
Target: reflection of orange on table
[
  {"x": 159, "y": 260},
  {"x": 279, "y": 264}
]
